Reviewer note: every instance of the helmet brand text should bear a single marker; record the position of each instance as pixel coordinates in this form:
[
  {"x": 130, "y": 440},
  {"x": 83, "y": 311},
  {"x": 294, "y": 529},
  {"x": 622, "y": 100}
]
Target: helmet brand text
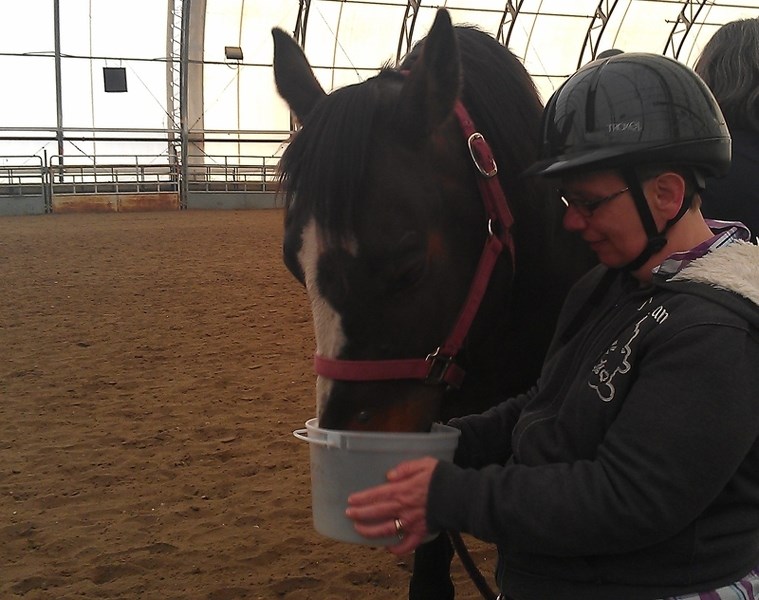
[{"x": 626, "y": 126}]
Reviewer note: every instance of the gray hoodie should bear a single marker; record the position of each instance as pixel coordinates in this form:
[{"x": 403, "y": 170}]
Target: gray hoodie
[{"x": 631, "y": 470}]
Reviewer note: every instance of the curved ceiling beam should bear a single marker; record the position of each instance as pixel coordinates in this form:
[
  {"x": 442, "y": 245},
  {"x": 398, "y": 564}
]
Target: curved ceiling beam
[
  {"x": 302, "y": 22},
  {"x": 595, "y": 31},
  {"x": 682, "y": 27},
  {"x": 407, "y": 29},
  {"x": 510, "y": 14}
]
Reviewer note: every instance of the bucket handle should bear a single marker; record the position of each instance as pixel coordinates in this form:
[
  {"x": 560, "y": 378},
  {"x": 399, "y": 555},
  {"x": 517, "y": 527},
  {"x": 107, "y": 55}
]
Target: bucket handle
[{"x": 302, "y": 434}]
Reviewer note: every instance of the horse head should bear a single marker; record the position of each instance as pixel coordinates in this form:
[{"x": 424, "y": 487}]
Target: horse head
[{"x": 385, "y": 228}]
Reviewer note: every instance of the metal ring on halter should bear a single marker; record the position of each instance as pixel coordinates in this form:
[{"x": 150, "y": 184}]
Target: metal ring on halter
[{"x": 398, "y": 527}]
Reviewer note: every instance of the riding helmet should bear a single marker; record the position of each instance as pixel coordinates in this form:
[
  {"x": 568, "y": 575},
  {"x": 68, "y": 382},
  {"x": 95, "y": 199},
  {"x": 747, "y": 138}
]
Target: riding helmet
[{"x": 630, "y": 109}]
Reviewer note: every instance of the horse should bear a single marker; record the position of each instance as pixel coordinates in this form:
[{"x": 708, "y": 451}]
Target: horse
[{"x": 428, "y": 301}]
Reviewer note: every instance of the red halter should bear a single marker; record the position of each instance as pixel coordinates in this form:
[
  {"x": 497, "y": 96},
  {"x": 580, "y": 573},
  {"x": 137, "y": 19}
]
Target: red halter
[{"x": 439, "y": 366}]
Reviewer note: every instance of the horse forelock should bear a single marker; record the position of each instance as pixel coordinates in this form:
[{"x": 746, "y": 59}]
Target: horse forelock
[{"x": 323, "y": 171}]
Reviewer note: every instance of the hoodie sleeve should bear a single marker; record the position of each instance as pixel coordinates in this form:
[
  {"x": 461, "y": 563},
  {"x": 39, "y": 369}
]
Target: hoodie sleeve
[
  {"x": 486, "y": 437},
  {"x": 688, "y": 424}
]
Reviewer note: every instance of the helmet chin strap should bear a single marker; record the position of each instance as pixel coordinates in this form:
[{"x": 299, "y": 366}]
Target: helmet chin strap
[{"x": 656, "y": 239}]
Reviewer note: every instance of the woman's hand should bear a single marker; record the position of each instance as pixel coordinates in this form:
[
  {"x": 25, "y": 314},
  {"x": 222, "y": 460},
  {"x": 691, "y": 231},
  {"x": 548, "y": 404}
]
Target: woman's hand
[{"x": 398, "y": 507}]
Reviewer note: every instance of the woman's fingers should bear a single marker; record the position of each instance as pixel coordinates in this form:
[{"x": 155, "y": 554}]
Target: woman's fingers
[
  {"x": 411, "y": 534},
  {"x": 415, "y": 473},
  {"x": 412, "y": 468},
  {"x": 373, "y": 495},
  {"x": 397, "y": 508},
  {"x": 373, "y": 511},
  {"x": 376, "y": 529}
]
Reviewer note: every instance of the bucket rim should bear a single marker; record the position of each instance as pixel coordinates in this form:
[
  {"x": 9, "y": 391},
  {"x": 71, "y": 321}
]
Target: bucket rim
[
  {"x": 439, "y": 430},
  {"x": 441, "y": 436}
]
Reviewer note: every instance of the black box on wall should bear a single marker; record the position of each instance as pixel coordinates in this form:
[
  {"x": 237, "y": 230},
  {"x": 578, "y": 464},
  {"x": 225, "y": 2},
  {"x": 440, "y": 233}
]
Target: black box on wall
[{"x": 115, "y": 79}]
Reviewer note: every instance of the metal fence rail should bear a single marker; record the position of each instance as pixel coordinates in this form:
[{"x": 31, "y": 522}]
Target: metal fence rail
[
  {"x": 234, "y": 174},
  {"x": 145, "y": 174},
  {"x": 32, "y": 177},
  {"x": 21, "y": 175},
  {"x": 111, "y": 174},
  {"x": 23, "y": 185}
]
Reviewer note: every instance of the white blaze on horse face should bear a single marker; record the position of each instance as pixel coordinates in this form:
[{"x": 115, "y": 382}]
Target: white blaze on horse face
[{"x": 330, "y": 338}]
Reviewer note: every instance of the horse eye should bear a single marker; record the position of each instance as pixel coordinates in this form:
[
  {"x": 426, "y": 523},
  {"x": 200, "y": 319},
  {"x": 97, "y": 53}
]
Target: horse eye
[
  {"x": 364, "y": 416},
  {"x": 407, "y": 274}
]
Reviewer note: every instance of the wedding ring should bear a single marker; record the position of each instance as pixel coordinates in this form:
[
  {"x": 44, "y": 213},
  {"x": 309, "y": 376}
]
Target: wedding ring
[{"x": 398, "y": 527}]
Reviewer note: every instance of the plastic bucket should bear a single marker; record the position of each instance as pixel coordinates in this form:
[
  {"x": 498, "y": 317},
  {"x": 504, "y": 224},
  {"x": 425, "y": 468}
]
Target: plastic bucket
[{"x": 343, "y": 462}]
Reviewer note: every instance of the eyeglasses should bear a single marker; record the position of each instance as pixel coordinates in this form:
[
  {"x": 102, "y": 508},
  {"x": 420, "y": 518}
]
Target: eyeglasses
[{"x": 587, "y": 208}]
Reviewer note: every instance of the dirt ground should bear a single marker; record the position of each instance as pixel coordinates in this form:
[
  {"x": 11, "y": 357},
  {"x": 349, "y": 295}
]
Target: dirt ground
[{"x": 152, "y": 369}]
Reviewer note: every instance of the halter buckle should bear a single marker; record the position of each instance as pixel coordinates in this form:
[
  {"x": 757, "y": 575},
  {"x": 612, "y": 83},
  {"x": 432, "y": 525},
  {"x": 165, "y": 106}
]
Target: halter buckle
[
  {"x": 480, "y": 151},
  {"x": 439, "y": 365}
]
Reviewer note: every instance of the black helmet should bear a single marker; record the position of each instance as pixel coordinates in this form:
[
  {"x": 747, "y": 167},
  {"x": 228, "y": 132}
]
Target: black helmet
[{"x": 632, "y": 109}]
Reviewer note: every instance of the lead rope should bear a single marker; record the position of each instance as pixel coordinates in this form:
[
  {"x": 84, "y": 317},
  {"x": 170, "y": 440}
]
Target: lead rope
[{"x": 474, "y": 573}]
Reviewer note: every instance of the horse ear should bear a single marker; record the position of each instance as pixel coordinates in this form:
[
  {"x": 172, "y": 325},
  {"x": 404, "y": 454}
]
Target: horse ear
[
  {"x": 433, "y": 84},
  {"x": 293, "y": 75}
]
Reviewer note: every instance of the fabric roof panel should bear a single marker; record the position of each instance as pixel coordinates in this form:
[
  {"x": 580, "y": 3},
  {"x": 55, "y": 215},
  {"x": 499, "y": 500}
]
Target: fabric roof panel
[
  {"x": 222, "y": 28},
  {"x": 321, "y": 33},
  {"x": 35, "y": 107},
  {"x": 367, "y": 35},
  {"x": 27, "y": 27},
  {"x": 258, "y": 20},
  {"x": 136, "y": 29}
]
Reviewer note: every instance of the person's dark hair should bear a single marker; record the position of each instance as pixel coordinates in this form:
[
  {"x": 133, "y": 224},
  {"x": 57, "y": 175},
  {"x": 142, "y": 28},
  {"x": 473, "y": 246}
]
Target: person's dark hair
[{"x": 729, "y": 64}]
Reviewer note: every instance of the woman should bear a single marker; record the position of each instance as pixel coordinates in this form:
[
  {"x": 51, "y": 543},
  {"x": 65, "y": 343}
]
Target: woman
[
  {"x": 631, "y": 469},
  {"x": 729, "y": 64}
]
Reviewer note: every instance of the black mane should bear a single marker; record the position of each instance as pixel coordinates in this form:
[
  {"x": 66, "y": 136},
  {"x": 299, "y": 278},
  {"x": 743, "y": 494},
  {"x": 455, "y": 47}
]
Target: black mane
[{"x": 326, "y": 161}]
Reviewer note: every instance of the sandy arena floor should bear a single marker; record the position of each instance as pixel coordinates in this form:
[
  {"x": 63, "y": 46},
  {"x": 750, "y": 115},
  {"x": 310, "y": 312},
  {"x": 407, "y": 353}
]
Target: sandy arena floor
[{"x": 152, "y": 369}]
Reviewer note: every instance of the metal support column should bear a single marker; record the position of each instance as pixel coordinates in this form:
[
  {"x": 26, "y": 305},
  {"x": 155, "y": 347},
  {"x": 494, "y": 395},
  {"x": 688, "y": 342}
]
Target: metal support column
[
  {"x": 184, "y": 89},
  {"x": 58, "y": 88},
  {"x": 184, "y": 129},
  {"x": 173, "y": 54}
]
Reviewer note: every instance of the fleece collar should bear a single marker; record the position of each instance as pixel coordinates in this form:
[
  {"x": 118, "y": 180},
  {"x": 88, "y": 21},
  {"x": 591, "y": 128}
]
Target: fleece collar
[
  {"x": 734, "y": 267},
  {"x": 728, "y": 275}
]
